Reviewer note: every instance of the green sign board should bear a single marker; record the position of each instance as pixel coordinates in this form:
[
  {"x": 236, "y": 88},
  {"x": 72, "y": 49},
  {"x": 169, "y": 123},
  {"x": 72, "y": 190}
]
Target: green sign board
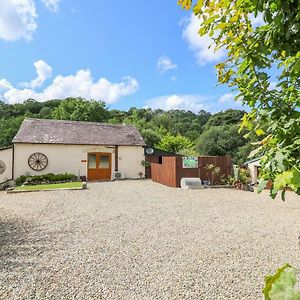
[{"x": 190, "y": 162}]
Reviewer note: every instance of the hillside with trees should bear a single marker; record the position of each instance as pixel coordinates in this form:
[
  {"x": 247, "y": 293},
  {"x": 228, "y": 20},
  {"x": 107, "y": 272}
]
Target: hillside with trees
[{"x": 179, "y": 131}]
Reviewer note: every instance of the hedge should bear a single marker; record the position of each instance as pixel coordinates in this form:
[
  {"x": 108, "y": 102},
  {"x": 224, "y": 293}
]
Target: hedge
[{"x": 47, "y": 178}]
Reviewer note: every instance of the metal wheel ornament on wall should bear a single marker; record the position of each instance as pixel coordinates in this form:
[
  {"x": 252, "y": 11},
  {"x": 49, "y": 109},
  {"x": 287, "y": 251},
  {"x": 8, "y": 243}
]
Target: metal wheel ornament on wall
[
  {"x": 2, "y": 167},
  {"x": 37, "y": 161}
]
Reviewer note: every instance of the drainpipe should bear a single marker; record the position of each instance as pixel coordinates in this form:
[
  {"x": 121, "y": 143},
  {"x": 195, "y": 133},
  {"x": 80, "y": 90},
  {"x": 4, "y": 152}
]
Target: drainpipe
[
  {"x": 116, "y": 158},
  {"x": 13, "y": 162}
]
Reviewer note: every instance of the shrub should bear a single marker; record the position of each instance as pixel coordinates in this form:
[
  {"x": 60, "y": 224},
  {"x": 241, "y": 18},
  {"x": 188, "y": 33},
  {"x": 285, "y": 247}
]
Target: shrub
[
  {"x": 212, "y": 172},
  {"x": 244, "y": 176},
  {"x": 227, "y": 180},
  {"x": 50, "y": 177},
  {"x": 20, "y": 180}
]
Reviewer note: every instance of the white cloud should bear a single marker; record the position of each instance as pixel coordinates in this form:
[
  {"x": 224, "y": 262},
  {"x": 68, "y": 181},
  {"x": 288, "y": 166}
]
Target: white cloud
[
  {"x": 52, "y": 5},
  {"x": 228, "y": 101},
  {"x": 43, "y": 70},
  {"x": 227, "y": 98},
  {"x": 16, "y": 96},
  {"x": 193, "y": 103},
  {"x": 173, "y": 78},
  {"x": 5, "y": 85},
  {"x": 165, "y": 64},
  {"x": 200, "y": 44},
  {"x": 17, "y": 19},
  {"x": 80, "y": 84}
]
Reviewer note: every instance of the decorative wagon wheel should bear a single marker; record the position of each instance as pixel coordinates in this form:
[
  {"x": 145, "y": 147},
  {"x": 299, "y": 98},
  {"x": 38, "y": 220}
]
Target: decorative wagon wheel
[
  {"x": 37, "y": 161},
  {"x": 2, "y": 167}
]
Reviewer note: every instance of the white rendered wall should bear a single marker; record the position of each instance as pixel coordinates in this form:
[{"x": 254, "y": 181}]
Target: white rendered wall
[
  {"x": 6, "y": 157},
  {"x": 130, "y": 161},
  {"x": 61, "y": 158},
  {"x": 73, "y": 159},
  {"x": 253, "y": 170}
]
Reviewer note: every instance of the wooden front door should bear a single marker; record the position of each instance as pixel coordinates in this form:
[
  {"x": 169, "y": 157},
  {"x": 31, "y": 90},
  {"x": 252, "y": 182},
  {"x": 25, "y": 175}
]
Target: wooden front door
[{"x": 99, "y": 166}]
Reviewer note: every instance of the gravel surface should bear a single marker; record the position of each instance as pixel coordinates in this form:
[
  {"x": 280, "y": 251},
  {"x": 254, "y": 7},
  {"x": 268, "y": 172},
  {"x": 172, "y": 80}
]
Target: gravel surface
[{"x": 141, "y": 240}]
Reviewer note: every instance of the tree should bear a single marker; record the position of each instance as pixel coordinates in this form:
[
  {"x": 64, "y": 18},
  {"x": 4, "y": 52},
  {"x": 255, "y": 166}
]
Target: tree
[
  {"x": 79, "y": 109},
  {"x": 221, "y": 140},
  {"x": 8, "y": 129},
  {"x": 45, "y": 113},
  {"x": 227, "y": 117},
  {"x": 174, "y": 143},
  {"x": 150, "y": 137},
  {"x": 254, "y": 55}
]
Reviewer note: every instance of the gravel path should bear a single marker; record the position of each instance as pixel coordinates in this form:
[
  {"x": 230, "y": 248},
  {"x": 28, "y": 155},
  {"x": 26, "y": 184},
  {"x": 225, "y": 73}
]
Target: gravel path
[{"x": 141, "y": 240}]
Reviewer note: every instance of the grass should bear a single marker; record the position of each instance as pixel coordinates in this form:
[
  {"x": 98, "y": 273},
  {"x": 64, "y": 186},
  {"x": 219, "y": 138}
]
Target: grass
[{"x": 53, "y": 186}]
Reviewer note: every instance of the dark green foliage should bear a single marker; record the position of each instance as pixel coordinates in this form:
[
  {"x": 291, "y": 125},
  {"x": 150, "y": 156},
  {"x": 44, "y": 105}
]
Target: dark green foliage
[
  {"x": 45, "y": 113},
  {"x": 228, "y": 117},
  {"x": 243, "y": 152},
  {"x": 151, "y": 137},
  {"x": 40, "y": 179},
  {"x": 8, "y": 129},
  {"x": 21, "y": 179},
  {"x": 79, "y": 109},
  {"x": 158, "y": 128},
  {"x": 174, "y": 144},
  {"x": 222, "y": 140}
]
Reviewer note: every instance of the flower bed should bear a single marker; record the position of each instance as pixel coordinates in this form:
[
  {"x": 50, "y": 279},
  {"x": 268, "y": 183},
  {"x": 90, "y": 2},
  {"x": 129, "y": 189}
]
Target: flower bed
[{"x": 46, "y": 179}]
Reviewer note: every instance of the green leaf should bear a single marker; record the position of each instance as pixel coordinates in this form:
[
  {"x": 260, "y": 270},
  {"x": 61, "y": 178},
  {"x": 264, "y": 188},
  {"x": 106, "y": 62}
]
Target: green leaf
[
  {"x": 186, "y": 4},
  {"x": 273, "y": 192},
  {"x": 262, "y": 183},
  {"x": 289, "y": 178},
  {"x": 198, "y": 7},
  {"x": 255, "y": 152},
  {"x": 283, "y": 195},
  {"x": 295, "y": 181},
  {"x": 281, "y": 285},
  {"x": 244, "y": 65},
  {"x": 259, "y": 132},
  {"x": 270, "y": 279},
  {"x": 282, "y": 180}
]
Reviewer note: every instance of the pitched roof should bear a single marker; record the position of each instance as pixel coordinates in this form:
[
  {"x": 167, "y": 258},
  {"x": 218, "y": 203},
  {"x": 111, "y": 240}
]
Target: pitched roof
[
  {"x": 252, "y": 160},
  {"x": 37, "y": 131}
]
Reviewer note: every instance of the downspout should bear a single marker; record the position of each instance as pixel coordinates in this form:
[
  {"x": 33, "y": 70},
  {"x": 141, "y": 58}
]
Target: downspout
[
  {"x": 13, "y": 163},
  {"x": 117, "y": 158}
]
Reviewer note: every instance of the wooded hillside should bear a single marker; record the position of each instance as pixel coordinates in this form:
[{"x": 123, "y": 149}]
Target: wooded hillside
[{"x": 180, "y": 131}]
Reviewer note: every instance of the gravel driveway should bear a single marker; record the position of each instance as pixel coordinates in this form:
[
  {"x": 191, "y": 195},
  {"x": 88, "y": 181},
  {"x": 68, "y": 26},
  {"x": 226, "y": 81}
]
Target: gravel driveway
[{"x": 141, "y": 240}]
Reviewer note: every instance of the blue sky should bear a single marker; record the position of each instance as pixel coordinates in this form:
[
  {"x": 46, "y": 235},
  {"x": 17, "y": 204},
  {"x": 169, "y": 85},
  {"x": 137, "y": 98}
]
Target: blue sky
[{"x": 126, "y": 53}]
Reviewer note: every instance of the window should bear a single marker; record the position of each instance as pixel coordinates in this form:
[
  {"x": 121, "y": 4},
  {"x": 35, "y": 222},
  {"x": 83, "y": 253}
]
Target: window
[
  {"x": 92, "y": 161},
  {"x": 104, "y": 162}
]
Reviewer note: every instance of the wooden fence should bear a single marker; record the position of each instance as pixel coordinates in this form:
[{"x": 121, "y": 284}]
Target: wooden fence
[{"x": 170, "y": 171}]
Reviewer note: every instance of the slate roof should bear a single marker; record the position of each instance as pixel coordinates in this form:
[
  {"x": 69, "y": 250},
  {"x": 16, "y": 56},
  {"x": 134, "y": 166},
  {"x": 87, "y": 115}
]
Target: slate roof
[{"x": 37, "y": 131}]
